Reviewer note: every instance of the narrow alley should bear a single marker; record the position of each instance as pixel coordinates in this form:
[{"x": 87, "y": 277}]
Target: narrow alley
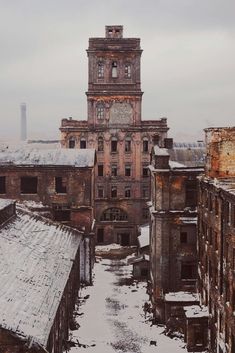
[{"x": 111, "y": 315}]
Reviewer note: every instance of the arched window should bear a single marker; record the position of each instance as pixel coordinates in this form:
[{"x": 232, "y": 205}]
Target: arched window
[
  {"x": 83, "y": 143},
  {"x": 100, "y": 144},
  {"x": 71, "y": 142},
  {"x": 100, "y": 69},
  {"x": 145, "y": 144},
  {"x": 128, "y": 144},
  {"x": 127, "y": 70},
  {"x": 100, "y": 111},
  {"x": 114, "y": 69},
  {"x": 114, "y": 144},
  {"x": 114, "y": 214}
]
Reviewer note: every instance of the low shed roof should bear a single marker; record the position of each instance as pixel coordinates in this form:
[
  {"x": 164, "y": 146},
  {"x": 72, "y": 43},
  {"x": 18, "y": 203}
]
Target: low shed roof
[{"x": 36, "y": 257}]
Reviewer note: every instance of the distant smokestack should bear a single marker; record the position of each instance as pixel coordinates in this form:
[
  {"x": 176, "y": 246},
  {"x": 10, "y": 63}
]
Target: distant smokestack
[{"x": 23, "y": 135}]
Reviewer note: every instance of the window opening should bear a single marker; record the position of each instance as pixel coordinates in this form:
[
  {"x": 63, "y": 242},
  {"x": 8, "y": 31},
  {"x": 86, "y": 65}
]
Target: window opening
[
  {"x": 28, "y": 185},
  {"x": 2, "y": 184},
  {"x": 114, "y": 69},
  {"x": 100, "y": 144},
  {"x": 60, "y": 185},
  {"x": 100, "y": 170},
  {"x": 82, "y": 143}
]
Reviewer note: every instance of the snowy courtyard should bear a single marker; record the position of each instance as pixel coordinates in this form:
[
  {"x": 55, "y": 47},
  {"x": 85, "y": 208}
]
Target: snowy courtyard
[{"x": 111, "y": 315}]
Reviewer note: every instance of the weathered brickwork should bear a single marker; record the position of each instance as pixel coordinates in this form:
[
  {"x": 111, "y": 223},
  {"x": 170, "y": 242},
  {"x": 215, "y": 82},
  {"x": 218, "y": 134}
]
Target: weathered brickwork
[{"x": 115, "y": 129}]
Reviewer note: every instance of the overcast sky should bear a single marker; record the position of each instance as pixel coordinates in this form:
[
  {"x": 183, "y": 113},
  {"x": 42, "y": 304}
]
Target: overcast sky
[{"x": 188, "y": 63}]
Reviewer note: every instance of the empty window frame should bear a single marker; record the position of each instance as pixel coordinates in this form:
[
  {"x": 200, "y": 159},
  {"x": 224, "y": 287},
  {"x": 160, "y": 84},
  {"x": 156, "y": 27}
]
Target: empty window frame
[
  {"x": 145, "y": 145},
  {"x": 114, "y": 170},
  {"x": 72, "y": 142},
  {"x": 100, "y": 170},
  {"x": 127, "y": 191},
  {"x": 127, "y": 170},
  {"x": 114, "y": 144},
  {"x": 191, "y": 193},
  {"x": 145, "y": 172},
  {"x": 114, "y": 69},
  {"x": 2, "y": 184},
  {"x": 114, "y": 214},
  {"x": 60, "y": 185},
  {"x": 128, "y": 144},
  {"x": 100, "y": 69},
  {"x": 100, "y": 144},
  {"x": 28, "y": 185},
  {"x": 100, "y": 111},
  {"x": 127, "y": 70},
  {"x": 100, "y": 192},
  {"x": 83, "y": 143},
  {"x": 113, "y": 191},
  {"x": 100, "y": 235}
]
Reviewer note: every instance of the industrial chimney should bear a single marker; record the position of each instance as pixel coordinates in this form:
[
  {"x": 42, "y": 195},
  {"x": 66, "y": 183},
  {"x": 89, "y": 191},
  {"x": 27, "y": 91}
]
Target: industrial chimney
[{"x": 23, "y": 135}]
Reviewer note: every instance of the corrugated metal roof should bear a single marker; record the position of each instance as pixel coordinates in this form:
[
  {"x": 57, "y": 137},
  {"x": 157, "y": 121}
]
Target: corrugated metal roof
[
  {"x": 48, "y": 157},
  {"x": 36, "y": 257}
]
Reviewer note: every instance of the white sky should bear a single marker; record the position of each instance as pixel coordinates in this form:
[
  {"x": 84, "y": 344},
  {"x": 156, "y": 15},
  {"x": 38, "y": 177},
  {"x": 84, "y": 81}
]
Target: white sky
[{"x": 188, "y": 63}]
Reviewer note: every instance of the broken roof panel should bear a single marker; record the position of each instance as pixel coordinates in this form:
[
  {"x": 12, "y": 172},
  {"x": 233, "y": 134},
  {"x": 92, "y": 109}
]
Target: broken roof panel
[
  {"x": 56, "y": 157},
  {"x": 34, "y": 273}
]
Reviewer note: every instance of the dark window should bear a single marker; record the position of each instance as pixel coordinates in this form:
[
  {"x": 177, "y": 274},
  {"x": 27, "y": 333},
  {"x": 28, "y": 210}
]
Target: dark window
[
  {"x": 145, "y": 172},
  {"x": 191, "y": 193},
  {"x": 145, "y": 213},
  {"x": 100, "y": 192},
  {"x": 82, "y": 143},
  {"x": 127, "y": 70},
  {"x": 61, "y": 213},
  {"x": 28, "y": 185},
  {"x": 114, "y": 145},
  {"x": 127, "y": 170},
  {"x": 145, "y": 145},
  {"x": 114, "y": 170},
  {"x": 71, "y": 143},
  {"x": 100, "y": 69},
  {"x": 100, "y": 144},
  {"x": 100, "y": 235},
  {"x": 183, "y": 237},
  {"x": 113, "y": 191},
  {"x": 114, "y": 214},
  {"x": 100, "y": 170},
  {"x": 128, "y": 145},
  {"x": 114, "y": 69},
  {"x": 188, "y": 271},
  {"x": 2, "y": 184},
  {"x": 127, "y": 191},
  {"x": 60, "y": 185},
  {"x": 100, "y": 111}
]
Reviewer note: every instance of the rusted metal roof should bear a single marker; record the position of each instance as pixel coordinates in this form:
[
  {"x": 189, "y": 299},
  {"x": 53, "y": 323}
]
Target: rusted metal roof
[{"x": 36, "y": 257}]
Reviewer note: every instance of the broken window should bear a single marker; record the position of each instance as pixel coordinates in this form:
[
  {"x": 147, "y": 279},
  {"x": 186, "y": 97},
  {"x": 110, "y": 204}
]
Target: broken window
[
  {"x": 100, "y": 69},
  {"x": 100, "y": 170},
  {"x": 114, "y": 214},
  {"x": 127, "y": 191},
  {"x": 188, "y": 271},
  {"x": 114, "y": 69},
  {"x": 100, "y": 111},
  {"x": 72, "y": 142},
  {"x": 114, "y": 170},
  {"x": 183, "y": 237},
  {"x": 113, "y": 191},
  {"x": 128, "y": 144},
  {"x": 100, "y": 192},
  {"x": 60, "y": 185},
  {"x": 100, "y": 235},
  {"x": 128, "y": 170},
  {"x": 100, "y": 144},
  {"x": 2, "y": 184},
  {"x": 114, "y": 144},
  {"x": 191, "y": 193},
  {"x": 28, "y": 185},
  {"x": 82, "y": 143},
  {"x": 145, "y": 172},
  {"x": 145, "y": 145}
]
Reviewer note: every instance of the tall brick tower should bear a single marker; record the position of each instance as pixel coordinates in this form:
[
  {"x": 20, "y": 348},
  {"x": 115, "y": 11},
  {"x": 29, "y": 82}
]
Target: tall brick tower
[{"x": 122, "y": 140}]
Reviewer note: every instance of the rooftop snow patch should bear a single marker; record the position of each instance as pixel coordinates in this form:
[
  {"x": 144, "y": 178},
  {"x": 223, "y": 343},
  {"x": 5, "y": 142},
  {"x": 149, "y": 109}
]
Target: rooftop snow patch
[
  {"x": 158, "y": 151},
  {"x": 181, "y": 297},
  {"x": 34, "y": 273},
  {"x": 4, "y": 203},
  {"x": 47, "y": 157},
  {"x": 195, "y": 311}
]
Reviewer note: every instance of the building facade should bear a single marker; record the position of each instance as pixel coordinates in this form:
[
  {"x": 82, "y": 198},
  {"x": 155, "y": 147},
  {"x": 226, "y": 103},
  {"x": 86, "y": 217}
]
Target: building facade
[
  {"x": 216, "y": 238},
  {"x": 114, "y": 127}
]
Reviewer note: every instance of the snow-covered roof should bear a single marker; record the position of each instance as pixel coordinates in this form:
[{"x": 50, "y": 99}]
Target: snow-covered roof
[
  {"x": 196, "y": 311},
  {"x": 4, "y": 203},
  {"x": 143, "y": 238},
  {"x": 158, "y": 151},
  {"x": 56, "y": 157},
  {"x": 36, "y": 257},
  {"x": 181, "y": 297}
]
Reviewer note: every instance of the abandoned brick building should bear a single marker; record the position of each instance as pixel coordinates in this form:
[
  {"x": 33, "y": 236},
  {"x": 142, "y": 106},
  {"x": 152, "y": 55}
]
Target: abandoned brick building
[
  {"x": 173, "y": 228},
  {"x": 114, "y": 127},
  {"x": 40, "y": 278},
  {"x": 216, "y": 238},
  {"x": 62, "y": 180}
]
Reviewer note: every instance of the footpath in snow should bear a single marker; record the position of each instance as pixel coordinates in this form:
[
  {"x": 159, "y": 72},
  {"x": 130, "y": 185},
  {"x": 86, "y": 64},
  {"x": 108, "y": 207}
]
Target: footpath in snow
[{"x": 111, "y": 315}]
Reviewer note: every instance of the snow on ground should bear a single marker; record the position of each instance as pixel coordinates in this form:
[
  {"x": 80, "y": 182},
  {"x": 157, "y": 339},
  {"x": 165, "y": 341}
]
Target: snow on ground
[{"x": 112, "y": 319}]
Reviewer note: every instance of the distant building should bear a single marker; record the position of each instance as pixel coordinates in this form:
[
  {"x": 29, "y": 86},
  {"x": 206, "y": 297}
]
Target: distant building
[
  {"x": 216, "y": 238},
  {"x": 114, "y": 127},
  {"x": 40, "y": 278}
]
